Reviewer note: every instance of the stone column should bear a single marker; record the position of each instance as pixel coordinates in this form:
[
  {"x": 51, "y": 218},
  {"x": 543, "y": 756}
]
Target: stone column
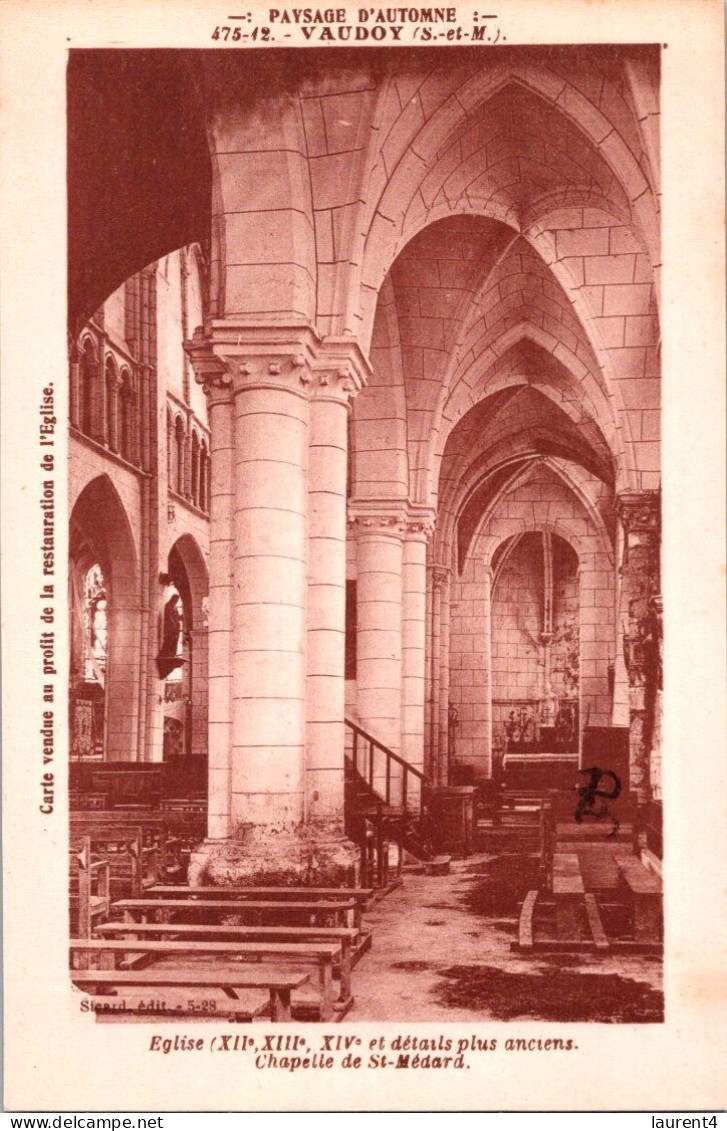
[
  {"x": 270, "y": 565},
  {"x": 439, "y": 576},
  {"x": 429, "y": 602},
  {"x": 487, "y": 664},
  {"x": 213, "y": 375},
  {"x": 639, "y": 514},
  {"x": 273, "y": 374},
  {"x": 339, "y": 372},
  {"x": 380, "y": 528},
  {"x": 414, "y": 598},
  {"x": 444, "y": 614}
]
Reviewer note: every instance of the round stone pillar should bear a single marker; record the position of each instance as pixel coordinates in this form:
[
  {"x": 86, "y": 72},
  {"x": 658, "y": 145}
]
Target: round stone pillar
[
  {"x": 219, "y": 605},
  {"x": 486, "y": 608},
  {"x": 270, "y": 561},
  {"x": 379, "y": 562},
  {"x": 284, "y": 528},
  {"x": 439, "y": 577},
  {"x": 339, "y": 372},
  {"x": 444, "y": 622},
  {"x": 212, "y": 374},
  {"x": 414, "y": 597}
]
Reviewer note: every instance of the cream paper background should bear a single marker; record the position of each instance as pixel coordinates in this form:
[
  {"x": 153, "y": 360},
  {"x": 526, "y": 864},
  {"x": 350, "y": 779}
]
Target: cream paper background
[{"x": 58, "y": 1059}]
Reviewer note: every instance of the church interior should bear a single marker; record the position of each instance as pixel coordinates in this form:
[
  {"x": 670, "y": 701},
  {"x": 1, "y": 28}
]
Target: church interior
[{"x": 364, "y": 496}]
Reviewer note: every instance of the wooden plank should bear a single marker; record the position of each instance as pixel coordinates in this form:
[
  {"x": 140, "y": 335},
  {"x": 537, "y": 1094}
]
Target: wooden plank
[
  {"x": 210, "y": 930},
  {"x": 645, "y": 888},
  {"x": 525, "y": 929},
  {"x": 228, "y": 906},
  {"x": 568, "y": 891},
  {"x": 587, "y": 946},
  {"x": 567, "y": 878},
  {"x": 223, "y": 976},
  {"x": 639, "y": 879},
  {"x": 164, "y": 891},
  {"x": 172, "y": 946},
  {"x": 594, "y": 921}
]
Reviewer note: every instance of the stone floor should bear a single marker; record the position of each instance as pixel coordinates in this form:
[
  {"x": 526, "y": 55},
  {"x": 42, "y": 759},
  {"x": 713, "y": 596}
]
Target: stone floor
[{"x": 441, "y": 952}]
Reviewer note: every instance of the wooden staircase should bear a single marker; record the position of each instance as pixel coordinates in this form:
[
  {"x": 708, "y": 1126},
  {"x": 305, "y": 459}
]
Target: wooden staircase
[{"x": 386, "y": 808}]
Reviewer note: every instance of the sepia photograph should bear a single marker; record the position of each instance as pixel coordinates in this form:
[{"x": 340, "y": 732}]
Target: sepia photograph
[
  {"x": 362, "y": 686},
  {"x": 364, "y": 473}
]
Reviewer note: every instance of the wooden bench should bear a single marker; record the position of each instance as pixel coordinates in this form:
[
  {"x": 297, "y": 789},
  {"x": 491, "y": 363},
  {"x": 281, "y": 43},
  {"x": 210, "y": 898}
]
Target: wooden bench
[
  {"x": 569, "y": 892},
  {"x": 345, "y": 937},
  {"x": 645, "y": 890},
  {"x": 89, "y": 886},
  {"x": 362, "y": 896},
  {"x": 136, "y": 910},
  {"x": 321, "y": 954},
  {"x": 229, "y": 979}
]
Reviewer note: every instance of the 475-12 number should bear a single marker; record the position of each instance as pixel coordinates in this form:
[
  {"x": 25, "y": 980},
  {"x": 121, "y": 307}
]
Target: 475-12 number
[{"x": 235, "y": 34}]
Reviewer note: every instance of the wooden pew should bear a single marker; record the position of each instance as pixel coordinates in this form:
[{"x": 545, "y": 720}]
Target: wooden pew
[
  {"x": 345, "y": 937},
  {"x": 116, "y": 827},
  {"x": 645, "y": 891},
  {"x": 569, "y": 892},
  {"x": 320, "y": 954},
  {"x": 133, "y": 865},
  {"x": 150, "y": 819},
  {"x": 186, "y": 825},
  {"x": 90, "y": 888},
  {"x": 163, "y": 910},
  {"x": 229, "y": 979}
]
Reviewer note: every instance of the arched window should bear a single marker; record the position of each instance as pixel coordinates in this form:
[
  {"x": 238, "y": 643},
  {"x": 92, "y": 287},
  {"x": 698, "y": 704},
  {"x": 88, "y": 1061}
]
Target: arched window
[
  {"x": 95, "y": 625},
  {"x": 87, "y": 371},
  {"x": 112, "y": 397},
  {"x": 194, "y": 485}
]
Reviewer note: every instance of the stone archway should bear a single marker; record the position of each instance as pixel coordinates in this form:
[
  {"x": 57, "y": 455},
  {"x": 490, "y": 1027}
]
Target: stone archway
[
  {"x": 186, "y": 695},
  {"x": 100, "y": 534}
]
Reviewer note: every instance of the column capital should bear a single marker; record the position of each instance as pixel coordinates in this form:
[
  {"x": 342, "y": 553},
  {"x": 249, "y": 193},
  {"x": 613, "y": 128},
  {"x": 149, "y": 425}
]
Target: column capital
[
  {"x": 340, "y": 370},
  {"x": 420, "y": 522},
  {"x": 378, "y": 516},
  {"x": 639, "y": 511},
  {"x": 398, "y": 515},
  {"x": 440, "y": 575},
  {"x": 210, "y": 371},
  {"x": 237, "y": 356}
]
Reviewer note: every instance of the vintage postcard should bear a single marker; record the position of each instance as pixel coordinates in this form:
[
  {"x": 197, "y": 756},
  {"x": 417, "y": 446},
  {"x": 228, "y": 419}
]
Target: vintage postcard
[{"x": 363, "y": 623}]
